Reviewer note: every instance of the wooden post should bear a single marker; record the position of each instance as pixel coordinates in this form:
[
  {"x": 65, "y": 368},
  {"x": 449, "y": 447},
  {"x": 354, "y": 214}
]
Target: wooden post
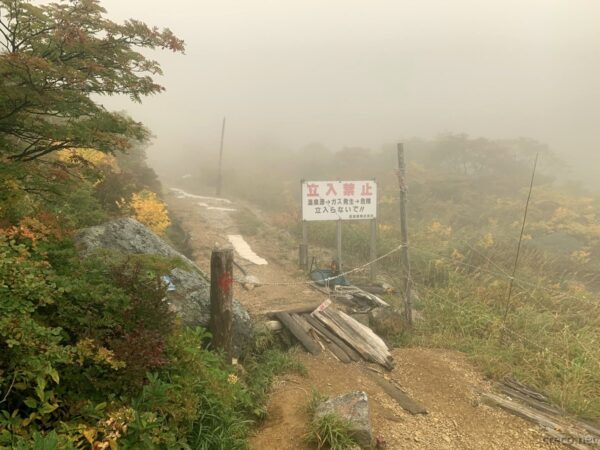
[
  {"x": 339, "y": 245},
  {"x": 303, "y": 252},
  {"x": 220, "y": 174},
  {"x": 404, "y": 235},
  {"x": 373, "y": 251},
  {"x": 221, "y": 296}
]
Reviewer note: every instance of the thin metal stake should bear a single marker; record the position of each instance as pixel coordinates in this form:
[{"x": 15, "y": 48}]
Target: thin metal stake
[{"x": 512, "y": 278}]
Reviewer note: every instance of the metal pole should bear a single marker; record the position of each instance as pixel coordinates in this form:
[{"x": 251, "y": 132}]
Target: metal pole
[
  {"x": 514, "y": 272},
  {"x": 339, "y": 245},
  {"x": 373, "y": 245},
  {"x": 373, "y": 252},
  {"x": 304, "y": 247},
  {"x": 220, "y": 174},
  {"x": 404, "y": 235}
]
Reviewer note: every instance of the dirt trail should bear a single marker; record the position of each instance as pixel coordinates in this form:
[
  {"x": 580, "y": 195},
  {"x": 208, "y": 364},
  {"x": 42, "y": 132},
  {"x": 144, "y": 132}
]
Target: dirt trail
[
  {"x": 441, "y": 380},
  {"x": 208, "y": 226}
]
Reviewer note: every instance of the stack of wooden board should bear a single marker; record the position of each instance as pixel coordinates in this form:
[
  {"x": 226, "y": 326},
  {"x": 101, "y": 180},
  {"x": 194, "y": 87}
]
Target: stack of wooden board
[{"x": 327, "y": 327}]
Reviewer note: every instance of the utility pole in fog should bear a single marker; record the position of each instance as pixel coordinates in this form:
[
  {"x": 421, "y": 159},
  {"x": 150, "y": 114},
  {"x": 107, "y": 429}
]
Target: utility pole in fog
[{"x": 220, "y": 174}]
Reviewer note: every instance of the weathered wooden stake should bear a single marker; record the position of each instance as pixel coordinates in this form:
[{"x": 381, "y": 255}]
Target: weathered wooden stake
[
  {"x": 404, "y": 235},
  {"x": 220, "y": 174},
  {"x": 221, "y": 297}
]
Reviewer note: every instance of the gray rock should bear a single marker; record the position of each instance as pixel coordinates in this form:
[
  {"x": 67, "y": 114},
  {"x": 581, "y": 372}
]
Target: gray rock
[
  {"x": 191, "y": 299},
  {"x": 387, "y": 321},
  {"x": 353, "y": 407},
  {"x": 125, "y": 235}
]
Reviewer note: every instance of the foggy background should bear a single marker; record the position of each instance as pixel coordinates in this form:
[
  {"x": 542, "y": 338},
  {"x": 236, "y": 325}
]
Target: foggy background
[{"x": 357, "y": 73}]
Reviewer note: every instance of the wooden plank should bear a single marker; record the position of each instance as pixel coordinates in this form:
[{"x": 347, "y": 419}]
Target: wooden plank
[
  {"x": 524, "y": 389},
  {"x": 519, "y": 410},
  {"x": 375, "y": 345},
  {"x": 299, "y": 310},
  {"x": 528, "y": 396},
  {"x": 355, "y": 339},
  {"x": 530, "y": 401},
  {"x": 557, "y": 428},
  {"x": 343, "y": 335},
  {"x": 364, "y": 330},
  {"x": 324, "y": 342},
  {"x": 401, "y": 398},
  {"x": 302, "y": 323},
  {"x": 333, "y": 348},
  {"x": 360, "y": 293},
  {"x": 368, "y": 350},
  {"x": 372, "y": 289},
  {"x": 306, "y": 340},
  {"x": 352, "y": 354}
]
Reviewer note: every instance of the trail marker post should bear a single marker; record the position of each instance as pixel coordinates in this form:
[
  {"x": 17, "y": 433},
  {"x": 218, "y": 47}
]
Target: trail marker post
[{"x": 221, "y": 299}]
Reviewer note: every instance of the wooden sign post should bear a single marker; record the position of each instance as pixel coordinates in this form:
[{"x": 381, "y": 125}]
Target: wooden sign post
[{"x": 221, "y": 299}]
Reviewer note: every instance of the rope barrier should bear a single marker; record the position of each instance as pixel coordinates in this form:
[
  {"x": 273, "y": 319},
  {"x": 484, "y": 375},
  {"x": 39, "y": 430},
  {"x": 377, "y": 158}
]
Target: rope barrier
[
  {"x": 503, "y": 275},
  {"x": 434, "y": 294},
  {"x": 327, "y": 280}
]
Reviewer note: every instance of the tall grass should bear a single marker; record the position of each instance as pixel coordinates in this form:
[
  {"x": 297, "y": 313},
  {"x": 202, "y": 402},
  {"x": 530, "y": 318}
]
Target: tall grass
[{"x": 546, "y": 343}]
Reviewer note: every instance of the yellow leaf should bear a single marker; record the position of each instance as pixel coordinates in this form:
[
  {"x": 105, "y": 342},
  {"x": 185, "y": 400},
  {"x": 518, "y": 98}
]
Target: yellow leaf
[{"x": 90, "y": 434}]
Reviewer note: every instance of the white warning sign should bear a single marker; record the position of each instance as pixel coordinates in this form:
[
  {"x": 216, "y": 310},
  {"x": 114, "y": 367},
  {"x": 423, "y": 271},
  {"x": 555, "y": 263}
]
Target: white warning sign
[{"x": 339, "y": 200}]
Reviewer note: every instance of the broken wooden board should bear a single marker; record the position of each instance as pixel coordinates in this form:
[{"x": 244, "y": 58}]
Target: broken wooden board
[
  {"x": 339, "y": 354},
  {"x": 527, "y": 395},
  {"x": 298, "y": 332},
  {"x": 344, "y": 336},
  {"x": 566, "y": 432},
  {"x": 400, "y": 397},
  {"x": 370, "y": 346},
  {"x": 361, "y": 294},
  {"x": 299, "y": 310},
  {"x": 349, "y": 351},
  {"x": 544, "y": 407}
]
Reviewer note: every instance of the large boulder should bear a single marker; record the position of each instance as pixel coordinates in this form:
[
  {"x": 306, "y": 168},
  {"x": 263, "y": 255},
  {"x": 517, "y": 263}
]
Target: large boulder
[
  {"x": 353, "y": 407},
  {"x": 191, "y": 297}
]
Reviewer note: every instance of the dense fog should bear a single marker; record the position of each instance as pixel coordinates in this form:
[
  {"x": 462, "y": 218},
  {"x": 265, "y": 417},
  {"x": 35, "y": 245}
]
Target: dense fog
[{"x": 353, "y": 73}]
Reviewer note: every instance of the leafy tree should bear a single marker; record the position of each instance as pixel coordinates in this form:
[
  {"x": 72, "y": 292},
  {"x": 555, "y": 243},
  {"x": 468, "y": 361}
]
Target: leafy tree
[{"x": 53, "y": 59}]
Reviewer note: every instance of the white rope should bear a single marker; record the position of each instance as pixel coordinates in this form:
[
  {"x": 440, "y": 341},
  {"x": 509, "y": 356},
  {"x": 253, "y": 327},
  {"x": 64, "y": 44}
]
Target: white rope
[{"x": 327, "y": 280}]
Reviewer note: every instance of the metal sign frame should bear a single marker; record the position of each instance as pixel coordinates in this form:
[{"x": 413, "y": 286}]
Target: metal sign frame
[{"x": 303, "y": 248}]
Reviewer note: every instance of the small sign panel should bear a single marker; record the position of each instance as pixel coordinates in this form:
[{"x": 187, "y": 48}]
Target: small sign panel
[{"x": 339, "y": 200}]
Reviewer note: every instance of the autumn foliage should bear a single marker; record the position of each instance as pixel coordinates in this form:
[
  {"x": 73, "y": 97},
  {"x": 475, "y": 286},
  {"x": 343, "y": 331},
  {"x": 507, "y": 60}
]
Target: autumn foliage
[{"x": 148, "y": 209}]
